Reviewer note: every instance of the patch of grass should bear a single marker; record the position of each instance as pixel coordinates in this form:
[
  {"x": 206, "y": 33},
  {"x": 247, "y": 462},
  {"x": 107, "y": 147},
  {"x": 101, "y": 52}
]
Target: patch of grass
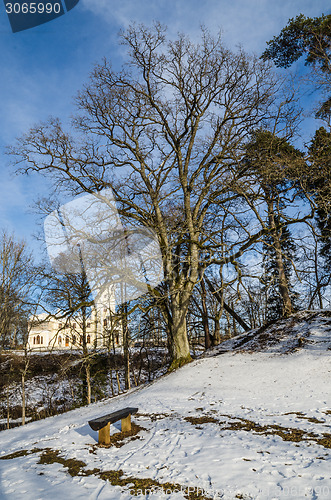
[
  {"x": 20, "y": 453},
  {"x": 144, "y": 486},
  {"x": 314, "y": 420},
  {"x": 299, "y": 414},
  {"x": 136, "y": 486},
  {"x": 201, "y": 420},
  {"x": 75, "y": 467},
  {"x": 16, "y": 454},
  {"x": 286, "y": 433},
  {"x": 325, "y": 441},
  {"x": 50, "y": 456}
]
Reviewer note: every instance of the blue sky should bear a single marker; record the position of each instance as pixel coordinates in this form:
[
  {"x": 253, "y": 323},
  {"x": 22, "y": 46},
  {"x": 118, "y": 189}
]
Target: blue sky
[{"x": 43, "y": 68}]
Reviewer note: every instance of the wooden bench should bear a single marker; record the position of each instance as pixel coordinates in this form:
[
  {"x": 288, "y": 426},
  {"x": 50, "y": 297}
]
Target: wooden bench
[{"x": 102, "y": 424}]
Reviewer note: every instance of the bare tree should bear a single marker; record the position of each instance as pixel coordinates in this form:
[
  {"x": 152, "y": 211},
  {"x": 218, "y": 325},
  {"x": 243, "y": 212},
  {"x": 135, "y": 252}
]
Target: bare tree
[
  {"x": 16, "y": 287},
  {"x": 164, "y": 133},
  {"x": 67, "y": 297}
]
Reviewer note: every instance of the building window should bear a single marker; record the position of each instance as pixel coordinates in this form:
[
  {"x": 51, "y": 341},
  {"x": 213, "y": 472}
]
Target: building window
[
  {"x": 34, "y": 340},
  {"x": 88, "y": 325},
  {"x": 74, "y": 339},
  {"x": 74, "y": 325},
  {"x": 60, "y": 340},
  {"x": 38, "y": 339},
  {"x": 67, "y": 341},
  {"x": 88, "y": 339},
  {"x": 41, "y": 340},
  {"x": 105, "y": 322}
]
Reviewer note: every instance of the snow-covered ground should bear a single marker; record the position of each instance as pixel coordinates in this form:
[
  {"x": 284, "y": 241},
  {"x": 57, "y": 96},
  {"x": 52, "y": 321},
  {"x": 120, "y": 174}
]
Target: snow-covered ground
[{"x": 250, "y": 425}]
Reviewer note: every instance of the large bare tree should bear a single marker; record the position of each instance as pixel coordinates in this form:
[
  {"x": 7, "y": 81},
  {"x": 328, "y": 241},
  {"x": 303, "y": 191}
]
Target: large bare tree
[{"x": 164, "y": 133}]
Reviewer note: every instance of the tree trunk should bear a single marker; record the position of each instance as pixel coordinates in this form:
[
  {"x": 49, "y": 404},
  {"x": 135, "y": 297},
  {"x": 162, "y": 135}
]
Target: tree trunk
[
  {"x": 228, "y": 327},
  {"x": 126, "y": 351},
  {"x": 179, "y": 346},
  {"x": 13, "y": 341},
  {"x": 87, "y": 390},
  {"x": 134, "y": 377},
  {"x": 283, "y": 284},
  {"x": 88, "y": 382},
  {"x": 23, "y": 399},
  {"x": 111, "y": 382},
  {"x": 8, "y": 408},
  {"x": 205, "y": 321},
  {"x": 118, "y": 381},
  {"x": 234, "y": 323},
  {"x": 217, "y": 331}
]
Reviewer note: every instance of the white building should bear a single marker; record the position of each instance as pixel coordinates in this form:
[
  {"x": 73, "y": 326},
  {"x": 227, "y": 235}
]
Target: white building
[{"x": 48, "y": 332}]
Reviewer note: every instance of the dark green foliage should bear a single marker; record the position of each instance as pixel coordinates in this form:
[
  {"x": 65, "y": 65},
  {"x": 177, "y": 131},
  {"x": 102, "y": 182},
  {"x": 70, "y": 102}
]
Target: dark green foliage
[
  {"x": 324, "y": 111},
  {"x": 302, "y": 35},
  {"x": 273, "y": 160},
  {"x": 276, "y": 165},
  {"x": 320, "y": 158},
  {"x": 309, "y": 36}
]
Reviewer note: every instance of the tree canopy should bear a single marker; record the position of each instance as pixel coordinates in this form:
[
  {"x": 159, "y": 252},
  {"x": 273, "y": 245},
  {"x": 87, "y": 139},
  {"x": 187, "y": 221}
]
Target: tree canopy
[{"x": 302, "y": 35}]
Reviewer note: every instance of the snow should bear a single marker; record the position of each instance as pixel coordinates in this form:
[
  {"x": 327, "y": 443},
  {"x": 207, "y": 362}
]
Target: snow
[
  {"x": 307, "y": 329},
  {"x": 290, "y": 389}
]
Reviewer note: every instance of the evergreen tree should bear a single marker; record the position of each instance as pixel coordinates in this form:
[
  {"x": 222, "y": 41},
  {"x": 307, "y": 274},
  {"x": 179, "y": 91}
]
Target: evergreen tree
[
  {"x": 275, "y": 164},
  {"x": 320, "y": 159},
  {"x": 302, "y": 35},
  {"x": 309, "y": 37},
  {"x": 274, "y": 301}
]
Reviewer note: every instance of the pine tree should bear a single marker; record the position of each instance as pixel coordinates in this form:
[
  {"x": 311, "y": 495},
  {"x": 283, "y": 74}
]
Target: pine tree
[
  {"x": 275, "y": 164},
  {"x": 320, "y": 158},
  {"x": 309, "y": 37},
  {"x": 274, "y": 301}
]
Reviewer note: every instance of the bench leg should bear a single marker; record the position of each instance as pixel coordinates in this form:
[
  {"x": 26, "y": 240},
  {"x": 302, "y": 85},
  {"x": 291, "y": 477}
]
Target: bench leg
[
  {"x": 104, "y": 435},
  {"x": 126, "y": 424}
]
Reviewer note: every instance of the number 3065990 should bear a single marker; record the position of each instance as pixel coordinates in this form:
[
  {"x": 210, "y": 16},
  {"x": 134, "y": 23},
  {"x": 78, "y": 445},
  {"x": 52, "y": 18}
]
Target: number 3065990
[{"x": 33, "y": 8}]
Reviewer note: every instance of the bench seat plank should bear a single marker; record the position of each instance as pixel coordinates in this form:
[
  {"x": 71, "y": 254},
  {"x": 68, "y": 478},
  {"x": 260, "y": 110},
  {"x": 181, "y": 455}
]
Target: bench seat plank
[{"x": 99, "y": 423}]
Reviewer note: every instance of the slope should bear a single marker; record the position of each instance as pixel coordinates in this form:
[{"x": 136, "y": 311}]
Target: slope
[{"x": 250, "y": 425}]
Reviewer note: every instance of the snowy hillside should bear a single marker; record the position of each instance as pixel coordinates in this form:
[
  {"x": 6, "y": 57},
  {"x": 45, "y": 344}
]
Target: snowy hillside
[
  {"x": 310, "y": 330},
  {"x": 249, "y": 425}
]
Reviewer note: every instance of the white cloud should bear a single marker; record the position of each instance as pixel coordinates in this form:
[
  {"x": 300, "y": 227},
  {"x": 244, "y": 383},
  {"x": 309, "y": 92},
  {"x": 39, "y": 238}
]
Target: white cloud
[{"x": 249, "y": 23}]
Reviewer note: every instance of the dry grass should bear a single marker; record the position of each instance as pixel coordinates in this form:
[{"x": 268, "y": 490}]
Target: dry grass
[{"x": 286, "y": 433}]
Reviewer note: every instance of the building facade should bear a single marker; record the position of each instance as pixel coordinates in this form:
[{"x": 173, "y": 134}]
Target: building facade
[{"x": 47, "y": 333}]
